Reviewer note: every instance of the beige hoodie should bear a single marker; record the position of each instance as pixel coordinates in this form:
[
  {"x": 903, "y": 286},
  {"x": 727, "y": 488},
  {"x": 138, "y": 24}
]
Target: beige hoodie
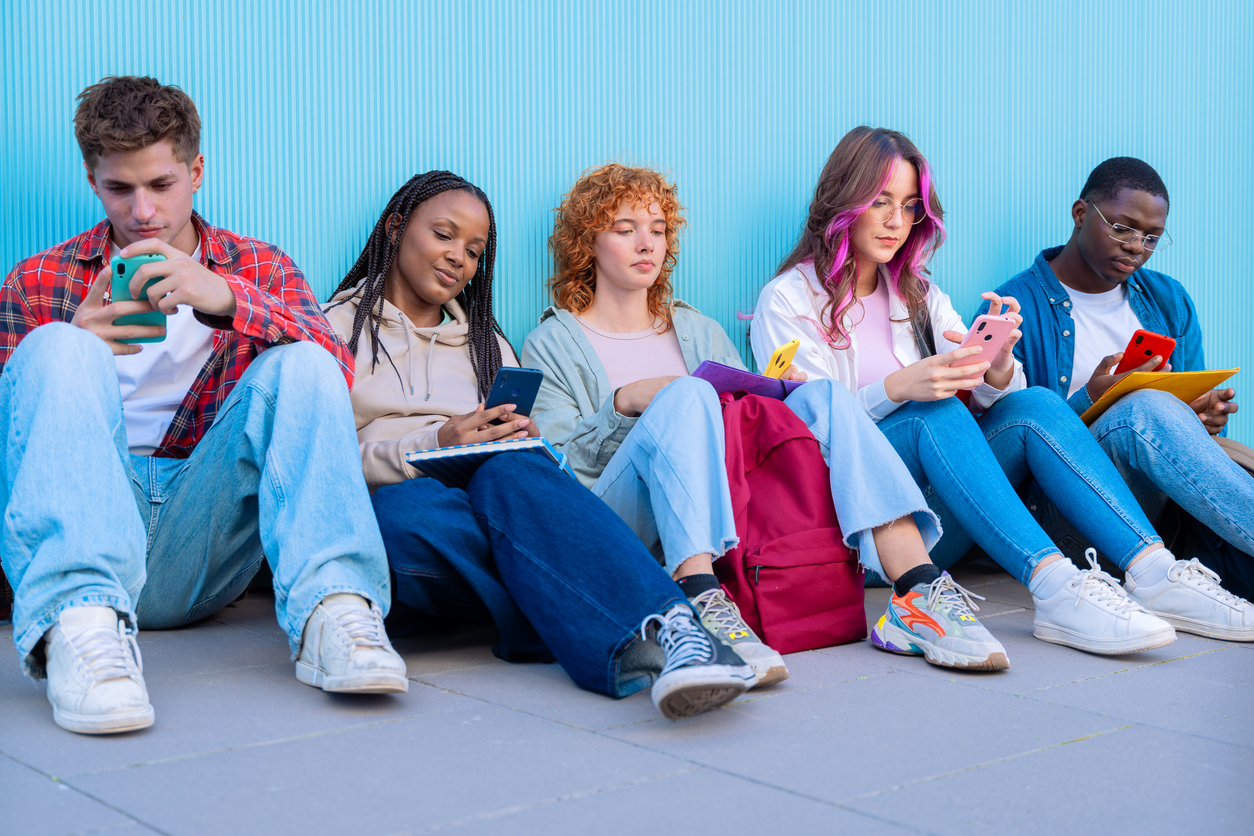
[{"x": 401, "y": 405}]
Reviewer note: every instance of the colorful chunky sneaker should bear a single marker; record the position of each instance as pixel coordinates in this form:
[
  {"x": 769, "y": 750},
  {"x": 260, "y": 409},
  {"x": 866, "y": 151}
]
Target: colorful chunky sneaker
[
  {"x": 1191, "y": 600},
  {"x": 936, "y": 620},
  {"x": 700, "y": 673},
  {"x": 720, "y": 615},
  {"x": 1093, "y": 612}
]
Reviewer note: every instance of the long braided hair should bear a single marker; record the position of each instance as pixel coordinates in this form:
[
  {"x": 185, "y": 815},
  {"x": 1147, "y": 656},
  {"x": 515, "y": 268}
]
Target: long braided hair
[{"x": 369, "y": 274}]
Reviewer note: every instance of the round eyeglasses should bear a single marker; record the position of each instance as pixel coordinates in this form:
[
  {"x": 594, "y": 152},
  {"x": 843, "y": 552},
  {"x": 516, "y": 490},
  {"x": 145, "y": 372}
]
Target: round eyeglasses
[
  {"x": 882, "y": 210},
  {"x": 1128, "y": 235}
]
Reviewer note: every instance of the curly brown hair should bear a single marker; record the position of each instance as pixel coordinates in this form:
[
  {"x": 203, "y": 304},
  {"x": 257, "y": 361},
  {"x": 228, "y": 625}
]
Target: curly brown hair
[
  {"x": 588, "y": 209},
  {"x": 127, "y": 113}
]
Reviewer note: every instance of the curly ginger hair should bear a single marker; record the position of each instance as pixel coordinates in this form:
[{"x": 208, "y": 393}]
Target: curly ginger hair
[{"x": 589, "y": 209}]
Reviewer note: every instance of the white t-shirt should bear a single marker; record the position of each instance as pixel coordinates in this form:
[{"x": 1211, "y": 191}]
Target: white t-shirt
[
  {"x": 1104, "y": 323},
  {"x": 155, "y": 381},
  {"x": 631, "y": 357}
]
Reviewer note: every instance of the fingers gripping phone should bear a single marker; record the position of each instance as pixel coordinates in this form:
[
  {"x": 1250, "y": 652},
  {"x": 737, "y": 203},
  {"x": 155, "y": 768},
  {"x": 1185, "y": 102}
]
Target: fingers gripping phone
[
  {"x": 781, "y": 359},
  {"x": 123, "y": 270},
  {"x": 989, "y": 333},
  {"x": 515, "y": 385},
  {"x": 1143, "y": 346}
]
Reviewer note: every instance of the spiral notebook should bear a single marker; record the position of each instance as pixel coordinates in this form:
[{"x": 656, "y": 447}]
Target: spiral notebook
[{"x": 455, "y": 465}]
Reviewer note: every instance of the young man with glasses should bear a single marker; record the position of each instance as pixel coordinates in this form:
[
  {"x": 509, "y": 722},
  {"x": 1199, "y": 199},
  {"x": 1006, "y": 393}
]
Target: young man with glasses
[
  {"x": 1081, "y": 303},
  {"x": 146, "y": 483}
]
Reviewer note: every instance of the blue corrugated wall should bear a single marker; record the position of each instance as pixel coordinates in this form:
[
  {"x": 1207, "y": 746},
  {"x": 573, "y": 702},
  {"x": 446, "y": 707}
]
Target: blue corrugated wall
[{"x": 315, "y": 112}]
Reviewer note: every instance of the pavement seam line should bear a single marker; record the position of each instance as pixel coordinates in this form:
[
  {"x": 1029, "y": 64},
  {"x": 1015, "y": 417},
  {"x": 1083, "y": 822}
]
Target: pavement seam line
[
  {"x": 976, "y": 766},
  {"x": 1126, "y": 670}
]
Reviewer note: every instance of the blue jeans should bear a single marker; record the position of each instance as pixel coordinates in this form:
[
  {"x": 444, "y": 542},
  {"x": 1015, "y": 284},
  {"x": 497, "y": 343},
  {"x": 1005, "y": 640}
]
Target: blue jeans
[
  {"x": 970, "y": 466},
  {"x": 1162, "y": 451},
  {"x": 168, "y": 541},
  {"x": 668, "y": 480},
  {"x": 528, "y": 548}
]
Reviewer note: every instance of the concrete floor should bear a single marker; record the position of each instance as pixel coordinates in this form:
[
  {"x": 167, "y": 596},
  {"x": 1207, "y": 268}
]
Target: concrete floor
[{"x": 857, "y": 741}]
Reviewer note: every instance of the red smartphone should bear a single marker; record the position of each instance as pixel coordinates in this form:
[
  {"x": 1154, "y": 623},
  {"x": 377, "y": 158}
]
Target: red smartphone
[{"x": 1142, "y": 346}]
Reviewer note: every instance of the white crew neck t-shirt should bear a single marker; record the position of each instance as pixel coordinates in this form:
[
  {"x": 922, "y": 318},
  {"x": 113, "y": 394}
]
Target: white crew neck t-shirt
[
  {"x": 1104, "y": 322},
  {"x": 155, "y": 381}
]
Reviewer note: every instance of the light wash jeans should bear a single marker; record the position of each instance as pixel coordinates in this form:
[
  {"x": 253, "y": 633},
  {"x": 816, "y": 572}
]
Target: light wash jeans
[
  {"x": 668, "y": 480},
  {"x": 1162, "y": 451},
  {"x": 168, "y": 541},
  {"x": 970, "y": 465}
]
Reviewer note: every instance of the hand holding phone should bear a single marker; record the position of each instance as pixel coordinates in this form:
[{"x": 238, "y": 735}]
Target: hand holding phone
[
  {"x": 1144, "y": 345},
  {"x": 515, "y": 385},
  {"x": 123, "y": 271},
  {"x": 781, "y": 359}
]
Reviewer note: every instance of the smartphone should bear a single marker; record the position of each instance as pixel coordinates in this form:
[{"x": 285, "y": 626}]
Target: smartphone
[
  {"x": 1142, "y": 346},
  {"x": 517, "y": 386},
  {"x": 123, "y": 269},
  {"x": 781, "y": 359},
  {"x": 989, "y": 333}
]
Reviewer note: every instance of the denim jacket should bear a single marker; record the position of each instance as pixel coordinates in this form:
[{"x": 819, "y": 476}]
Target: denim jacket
[
  {"x": 575, "y": 406},
  {"x": 1047, "y": 349}
]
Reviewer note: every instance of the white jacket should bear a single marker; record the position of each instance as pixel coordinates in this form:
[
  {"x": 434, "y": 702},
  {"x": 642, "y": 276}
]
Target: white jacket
[{"x": 791, "y": 307}]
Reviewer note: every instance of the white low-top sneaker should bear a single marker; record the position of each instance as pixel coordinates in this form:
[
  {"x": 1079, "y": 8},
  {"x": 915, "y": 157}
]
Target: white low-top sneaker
[
  {"x": 1191, "y": 600},
  {"x": 1092, "y": 612},
  {"x": 345, "y": 649},
  {"x": 95, "y": 673}
]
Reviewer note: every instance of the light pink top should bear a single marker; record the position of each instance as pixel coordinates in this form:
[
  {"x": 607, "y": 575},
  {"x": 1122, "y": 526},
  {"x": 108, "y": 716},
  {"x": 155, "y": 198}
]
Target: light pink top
[
  {"x": 876, "y": 360},
  {"x": 631, "y": 357}
]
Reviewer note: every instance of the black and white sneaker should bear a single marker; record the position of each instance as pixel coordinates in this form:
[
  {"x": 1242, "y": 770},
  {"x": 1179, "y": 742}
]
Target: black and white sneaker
[{"x": 700, "y": 673}]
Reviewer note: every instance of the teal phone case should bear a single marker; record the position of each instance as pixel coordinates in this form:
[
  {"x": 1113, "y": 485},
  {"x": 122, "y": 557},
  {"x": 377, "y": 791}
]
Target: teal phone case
[{"x": 123, "y": 269}]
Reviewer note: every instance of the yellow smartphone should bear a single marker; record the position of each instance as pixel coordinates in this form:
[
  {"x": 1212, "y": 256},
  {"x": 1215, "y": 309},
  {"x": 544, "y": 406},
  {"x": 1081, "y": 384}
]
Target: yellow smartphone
[{"x": 781, "y": 359}]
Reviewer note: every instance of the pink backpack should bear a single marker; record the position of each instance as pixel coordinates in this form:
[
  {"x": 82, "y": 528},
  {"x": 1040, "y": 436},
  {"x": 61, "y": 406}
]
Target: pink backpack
[{"x": 796, "y": 583}]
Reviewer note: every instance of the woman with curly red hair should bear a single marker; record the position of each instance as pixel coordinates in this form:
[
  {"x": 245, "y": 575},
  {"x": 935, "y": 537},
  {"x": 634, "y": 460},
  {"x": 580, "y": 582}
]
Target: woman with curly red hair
[{"x": 617, "y": 351}]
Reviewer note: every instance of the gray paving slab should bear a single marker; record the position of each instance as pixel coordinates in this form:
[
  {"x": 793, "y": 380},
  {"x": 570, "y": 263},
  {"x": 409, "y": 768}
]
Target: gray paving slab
[
  {"x": 1129, "y": 780},
  {"x": 36, "y": 805},
  {"x": 390, "y": 778},
  {"x": 1208, "y": 695},
  {"x": 850, "y": 738},
  {"x": 684, "y": 802}
]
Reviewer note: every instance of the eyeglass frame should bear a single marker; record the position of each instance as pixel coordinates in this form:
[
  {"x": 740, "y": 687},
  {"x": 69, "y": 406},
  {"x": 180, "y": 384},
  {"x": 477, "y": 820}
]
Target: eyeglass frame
[
  {"x": 1159, "y": 240},
  {"x": 902, "y": 206}
]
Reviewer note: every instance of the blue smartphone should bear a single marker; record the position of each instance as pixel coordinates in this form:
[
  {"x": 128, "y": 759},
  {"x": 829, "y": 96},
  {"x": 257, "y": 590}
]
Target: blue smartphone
[
  {"x": 123, "y": 269},
  {"x": 517, "y": 386}
]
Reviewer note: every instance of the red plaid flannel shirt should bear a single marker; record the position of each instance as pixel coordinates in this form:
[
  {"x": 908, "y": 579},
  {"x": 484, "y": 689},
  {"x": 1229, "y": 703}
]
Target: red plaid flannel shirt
[{"x": 274, "y": 306}]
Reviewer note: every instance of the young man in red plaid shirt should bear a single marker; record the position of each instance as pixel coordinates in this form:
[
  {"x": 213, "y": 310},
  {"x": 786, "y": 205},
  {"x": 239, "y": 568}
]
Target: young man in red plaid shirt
[{"x": 145, "y": 482}]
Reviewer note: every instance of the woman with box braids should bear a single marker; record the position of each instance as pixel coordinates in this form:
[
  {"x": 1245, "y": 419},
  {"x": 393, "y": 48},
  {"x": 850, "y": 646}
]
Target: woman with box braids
[
  {"x": 519, "y": 544},
  {"x": 381, "y": 251}
]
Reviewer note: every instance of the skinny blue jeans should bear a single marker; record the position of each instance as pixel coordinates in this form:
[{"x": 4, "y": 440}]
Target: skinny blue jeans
[
  {"x": 166, "y": 542},
  {"x": 1162, "y": 451},
  {"x": 668, "y": 480},
  {"x": 968, "y": 467},
  {"x": 531, "y": 550}
]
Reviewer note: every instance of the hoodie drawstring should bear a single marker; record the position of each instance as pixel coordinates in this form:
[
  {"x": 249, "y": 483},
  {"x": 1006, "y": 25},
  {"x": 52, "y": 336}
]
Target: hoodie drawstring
[{"x": 430, "y": 361}]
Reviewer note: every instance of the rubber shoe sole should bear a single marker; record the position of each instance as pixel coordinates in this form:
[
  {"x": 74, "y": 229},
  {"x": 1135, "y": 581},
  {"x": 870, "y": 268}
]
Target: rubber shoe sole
[
  {"x": 768, "y": 666},
  {"x": 1203, "y": 628},
  {"x": 104, "y": 724},
  {"x": 700, "y": 691},
  {"x": 381, "y": 682},
  {"x": 893, "y": 639},
  {"x": 1104, "y": 647}
]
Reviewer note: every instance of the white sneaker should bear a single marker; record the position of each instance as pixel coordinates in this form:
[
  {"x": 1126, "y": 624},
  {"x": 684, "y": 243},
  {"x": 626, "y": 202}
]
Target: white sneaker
[
  {"x": 720, "y": 615},
  {"x": 1191, "y": 600},
  {"x": 1092, "y": 612},
  {"x": 95, "y": 673},
  {"x": 345, "y": 649}
]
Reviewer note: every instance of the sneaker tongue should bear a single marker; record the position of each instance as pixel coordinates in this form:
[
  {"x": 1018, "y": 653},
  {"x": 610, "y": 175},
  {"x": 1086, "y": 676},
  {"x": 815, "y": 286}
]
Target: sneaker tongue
[
  {"x": 73, "y": 618},
  {"x": 346, "y": 599}
]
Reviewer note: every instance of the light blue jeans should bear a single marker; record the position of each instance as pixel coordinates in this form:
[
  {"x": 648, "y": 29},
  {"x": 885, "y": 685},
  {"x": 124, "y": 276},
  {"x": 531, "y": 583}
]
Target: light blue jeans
[
  {"x": 970, "y": 465},
  {"x": 668, "y": 480},
  {"x": 1162, "y": 451},
  {"x": 168, "y": 541}
]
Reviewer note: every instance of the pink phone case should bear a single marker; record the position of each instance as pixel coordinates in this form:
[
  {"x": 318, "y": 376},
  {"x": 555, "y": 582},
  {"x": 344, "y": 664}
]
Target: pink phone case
[{"x": 989, "y": 333}]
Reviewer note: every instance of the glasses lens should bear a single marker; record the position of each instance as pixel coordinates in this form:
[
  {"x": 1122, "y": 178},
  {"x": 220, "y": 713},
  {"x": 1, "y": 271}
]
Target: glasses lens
[
  {"x": 881, "y": 210},
  {"x": 1124, "y": 234},
  {"x": 913, "y": 211},
  {"x": 1151, "y": 242}
]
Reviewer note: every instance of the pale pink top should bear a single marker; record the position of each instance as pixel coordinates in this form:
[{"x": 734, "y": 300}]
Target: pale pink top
[
  {"x": 876, "y": 360},
  {"x": 631, "y": 357}
]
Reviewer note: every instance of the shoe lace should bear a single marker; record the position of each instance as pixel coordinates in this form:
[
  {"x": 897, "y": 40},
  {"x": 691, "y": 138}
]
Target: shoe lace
[
  {"x": 1205, "y": 580},
  {"x": 961, "y": 600},
  {"x": 364, "y": 627},
  {"x": 107, "y": 652},
  {"x": 1102, "y": 588},
  {"x": 718, "y": 610},
  {"x": 683, "y": 640}
]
